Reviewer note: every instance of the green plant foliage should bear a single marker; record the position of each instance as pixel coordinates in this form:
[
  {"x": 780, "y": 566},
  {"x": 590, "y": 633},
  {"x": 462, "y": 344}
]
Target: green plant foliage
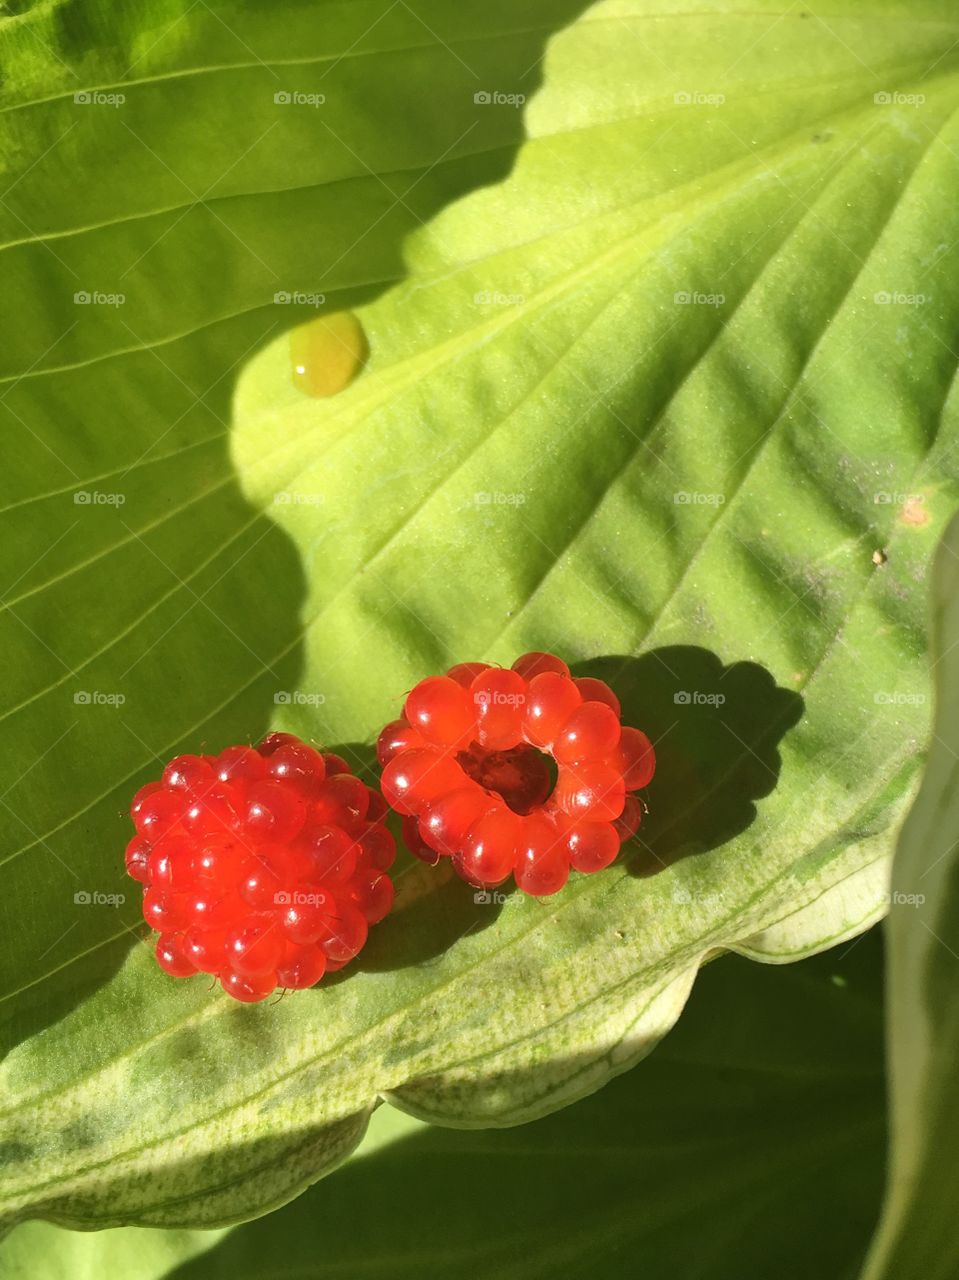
[
  {"x": 749, "y": 1145},
  {"x": 917, "y": 1236},
  {"x": 656, "y": 372}
]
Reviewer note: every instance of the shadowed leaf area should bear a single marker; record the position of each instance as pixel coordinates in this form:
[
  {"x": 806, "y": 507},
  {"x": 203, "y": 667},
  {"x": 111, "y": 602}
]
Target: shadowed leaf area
[{"x": 749, "y": 1145}]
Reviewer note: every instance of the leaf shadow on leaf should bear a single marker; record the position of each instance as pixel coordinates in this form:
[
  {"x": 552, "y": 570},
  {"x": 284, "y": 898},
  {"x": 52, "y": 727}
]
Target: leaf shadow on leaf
[
  {"x": 749, "y": 1144},
  {"x": 716, "y": 730},
  {"x": 199, "y": 678}
]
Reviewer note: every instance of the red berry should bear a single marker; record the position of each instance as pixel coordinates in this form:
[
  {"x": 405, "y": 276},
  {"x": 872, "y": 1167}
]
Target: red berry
[
  {"x": 397, "y": 736},
  {"x": 374, "y": 896},
  {"x": 212, "y": 908},
  {"x": 499, "y": 698},
  {"x": 217, "y": 858},
  {"x": 136, "y": 804},
  {"x": 591, "y": 733},
  {"x": 240, "y": 764},
  {"x": 464, "y": 673},
  {"x": 451, "y": 816},
  {"x": 158, "y": 813},
  {"x": 138, "y": 859},
  {"x": 247, "y": 989},
  {"x": 481, "y": 794},
  {"x": 441, "y": 710},
  {"x": 592, "y": 690},
  {"x": 264, "y": 867},
  {"x": 344, "y": 933},
  {"x": 379, "y": 847},
  {"x": 331, "y": 855},
  {"x": 411, "y": 780},
  {"x": 268, "y": 871},
  {"x": 592, "y": 845},
  {"x": 593, "y": 790},
  {"x": 299, "y": 764},
  {"x": 305, "y": 918},
  {"x": 216, "y": 812},
  {"x": 489, "y": 849},
  {"x": 636, "y": 758},
  {"x": 304, "y": 968},
  {"x": 171, "y": 865},
  {"x": 415, "y": 842},
  {"x": 627, "y": 824},
  {"x": 255, "y": 948},
  {"x": 206, "y": 948},
  {"x": 272, "y": 742},
  {"x": 174, "y": 956},
  {"x": 341, "y": 799},
  {"x": 542, "y": 859},
  {"x": 378, "y": 808},
  {"x": 551, "y": 700},
  {"x": 165, "y": 912},
  {"x": 535, "y": 663},
  {"x": 190, "y": 774},
  {"x": 274, "y": 812}
]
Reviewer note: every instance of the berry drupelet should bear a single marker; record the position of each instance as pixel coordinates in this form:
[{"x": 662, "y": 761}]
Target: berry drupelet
[
  {"x": 262, "y": 866},
  {"x": 468, "y": 765}
]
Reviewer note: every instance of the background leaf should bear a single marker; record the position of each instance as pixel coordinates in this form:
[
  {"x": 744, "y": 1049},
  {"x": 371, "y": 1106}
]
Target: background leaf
[
  {"x": 917, "y": 1234},
  {"x": 664, "y": 387},
  {"x": 749, "y": 1144}
]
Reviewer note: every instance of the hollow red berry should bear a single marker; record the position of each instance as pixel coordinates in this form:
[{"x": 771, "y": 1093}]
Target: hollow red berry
[
  {"x": 262, "y": 866},
  {"x": 534, "y": 784}
]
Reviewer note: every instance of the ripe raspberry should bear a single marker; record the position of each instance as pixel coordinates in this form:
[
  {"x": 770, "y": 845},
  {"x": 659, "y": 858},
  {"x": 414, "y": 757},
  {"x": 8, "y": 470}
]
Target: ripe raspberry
[
  {"x": 263, "y": 866},
  {"x": 471, "y": 765}
]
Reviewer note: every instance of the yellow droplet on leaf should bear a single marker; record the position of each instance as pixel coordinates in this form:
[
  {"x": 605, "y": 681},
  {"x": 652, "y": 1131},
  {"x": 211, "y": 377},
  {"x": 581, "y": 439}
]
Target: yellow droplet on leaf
[{"x": 327, "y": 353}]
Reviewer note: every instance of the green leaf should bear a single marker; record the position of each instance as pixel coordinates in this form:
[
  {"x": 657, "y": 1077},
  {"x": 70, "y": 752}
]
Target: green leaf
[
  {"x": 544, "y": 448},
  {"x": 917, "y": 1233},
  {"x": 749, "y": 1144}
]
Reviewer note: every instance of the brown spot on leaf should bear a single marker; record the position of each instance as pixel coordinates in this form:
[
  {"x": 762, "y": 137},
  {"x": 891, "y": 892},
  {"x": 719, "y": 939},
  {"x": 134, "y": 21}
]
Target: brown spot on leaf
[{"x": 914, "y": 512}]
